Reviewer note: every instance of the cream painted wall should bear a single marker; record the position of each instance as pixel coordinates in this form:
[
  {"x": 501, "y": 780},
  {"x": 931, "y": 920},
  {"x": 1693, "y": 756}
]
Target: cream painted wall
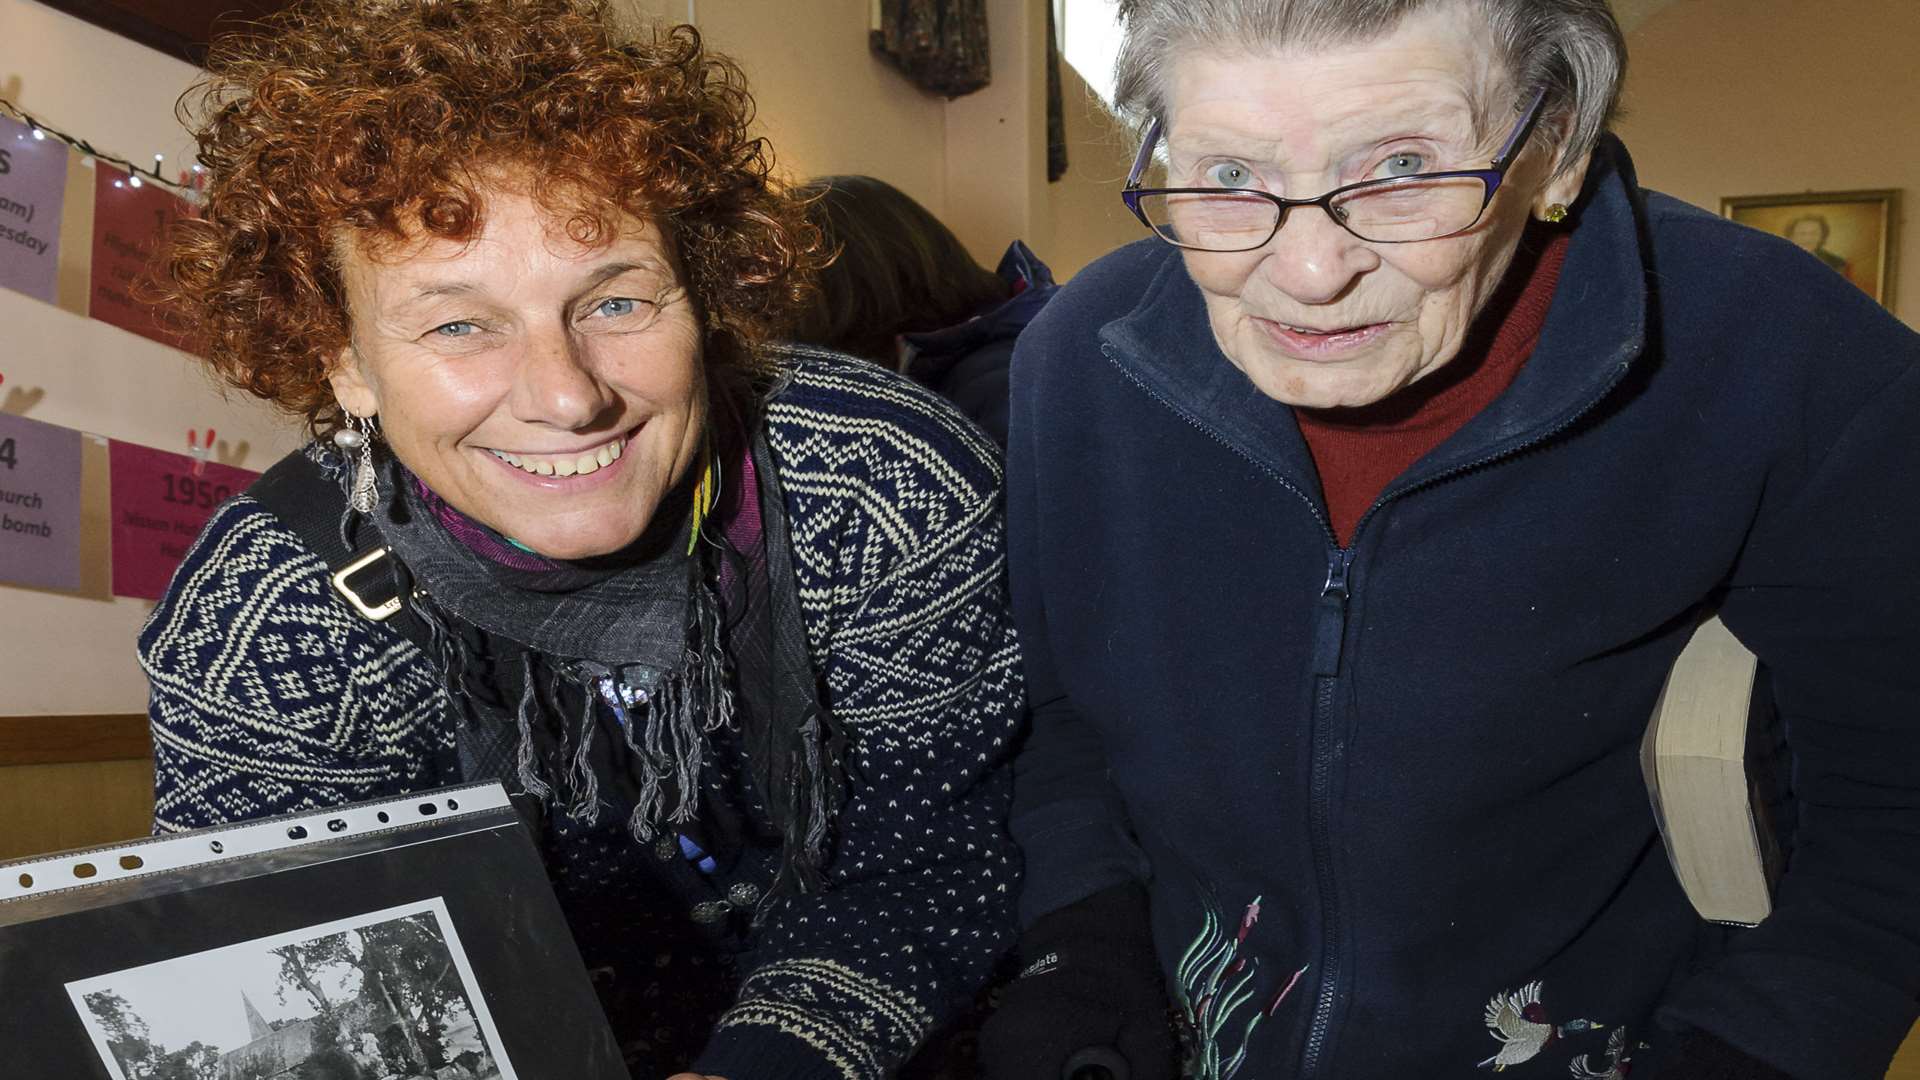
[
  {"x": 1086, "y": 216},
  {"x": 1757, "y": 97},
  {"x": 826, "y": 104},
  {"x": 60, "y": 654},
  {"x": 1632, "y": 13},
  {"x": 996, "y": 146}
]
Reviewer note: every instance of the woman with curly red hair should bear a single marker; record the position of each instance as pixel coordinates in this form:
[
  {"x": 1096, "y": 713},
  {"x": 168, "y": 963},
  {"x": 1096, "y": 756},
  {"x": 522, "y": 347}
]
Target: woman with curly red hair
[{"x": 730, "y": 614}]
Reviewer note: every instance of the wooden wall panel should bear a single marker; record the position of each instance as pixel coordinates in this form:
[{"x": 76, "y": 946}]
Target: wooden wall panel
[
  {"x": 52, "y": 740},
  {"x": 179, "y": 28},
  {"x": 1906, "y": 1065},
  {"x": 45, "y": 808},
  {"x": 73, "y": 781}
]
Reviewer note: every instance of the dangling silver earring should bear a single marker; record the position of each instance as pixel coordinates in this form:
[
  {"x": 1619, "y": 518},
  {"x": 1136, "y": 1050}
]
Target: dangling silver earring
[{"x": 357, "y": 439}]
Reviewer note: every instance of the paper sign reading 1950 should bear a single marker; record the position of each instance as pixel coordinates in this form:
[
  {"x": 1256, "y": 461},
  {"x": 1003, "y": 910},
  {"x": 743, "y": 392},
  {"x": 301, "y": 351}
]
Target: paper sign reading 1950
[
  {"x": 33, "y": 178},
  {"x": 39, "y": 504},
  {"x": 159, "y": 505}
]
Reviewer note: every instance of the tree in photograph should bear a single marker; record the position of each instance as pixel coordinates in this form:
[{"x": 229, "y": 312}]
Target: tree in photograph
[
  {"x": 395, "y": 1053},
  {"x": 197, "y": 1061},
  {"x": 329, "y": 1061},
  {"x": 127, "y": 1035},
  {"x": 300, "y": 964},
  {"x": 409, "y": 990},
  {"x": 408, "y": 973},
  {"x": 303, "y": 965}
]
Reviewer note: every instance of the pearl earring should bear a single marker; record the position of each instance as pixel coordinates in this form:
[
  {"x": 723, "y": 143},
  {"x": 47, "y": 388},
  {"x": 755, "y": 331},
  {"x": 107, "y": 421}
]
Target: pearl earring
[{"x": 357, "y": 440}]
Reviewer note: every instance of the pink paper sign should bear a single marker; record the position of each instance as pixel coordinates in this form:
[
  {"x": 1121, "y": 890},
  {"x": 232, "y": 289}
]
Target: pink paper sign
[
  {"x": 39, "y": 504},
  {"x": 128, "y": 222},
  {"x": 159, "y": 506},
  {"x": 33, "y": 186}
]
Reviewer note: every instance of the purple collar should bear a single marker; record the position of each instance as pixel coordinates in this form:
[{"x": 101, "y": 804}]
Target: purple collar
[{"x": 742, "y": 530}]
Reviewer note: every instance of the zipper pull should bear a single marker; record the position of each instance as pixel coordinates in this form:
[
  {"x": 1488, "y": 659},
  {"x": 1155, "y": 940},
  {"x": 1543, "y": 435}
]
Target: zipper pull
[{"x": 1330, "y": 616}]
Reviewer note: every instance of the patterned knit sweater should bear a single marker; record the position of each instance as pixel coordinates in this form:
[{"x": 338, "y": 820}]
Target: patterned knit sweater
[{"x": 270, "y": 696}]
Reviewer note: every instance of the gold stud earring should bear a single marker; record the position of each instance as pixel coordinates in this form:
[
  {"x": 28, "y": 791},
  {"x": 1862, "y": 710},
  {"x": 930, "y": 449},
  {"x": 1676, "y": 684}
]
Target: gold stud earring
[{"x": 1556, "y": 213}]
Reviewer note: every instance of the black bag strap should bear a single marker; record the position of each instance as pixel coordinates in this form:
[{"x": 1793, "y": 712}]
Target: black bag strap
[
  {"x": 378, "y": 587},
  {"x": 374, "y": 583}
]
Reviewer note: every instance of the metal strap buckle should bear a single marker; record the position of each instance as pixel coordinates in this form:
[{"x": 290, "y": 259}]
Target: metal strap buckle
[{"x": 374, "y": 612}]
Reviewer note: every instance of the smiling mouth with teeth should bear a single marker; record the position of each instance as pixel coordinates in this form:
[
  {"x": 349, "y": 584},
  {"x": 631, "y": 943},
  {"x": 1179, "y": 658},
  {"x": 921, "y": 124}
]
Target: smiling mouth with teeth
[{"x": 565, "y": 464}]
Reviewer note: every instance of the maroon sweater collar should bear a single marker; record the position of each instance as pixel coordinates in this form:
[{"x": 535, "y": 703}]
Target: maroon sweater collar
[{"x": 1358, "y": 452}]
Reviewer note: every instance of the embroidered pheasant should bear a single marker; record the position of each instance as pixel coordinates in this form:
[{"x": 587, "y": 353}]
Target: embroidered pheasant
[
  {"x": 1520, "y": 1022},
  {"x": 1615, "y": 1064}
]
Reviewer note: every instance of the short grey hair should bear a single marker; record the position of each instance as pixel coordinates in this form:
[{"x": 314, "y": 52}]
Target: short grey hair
[{"x": 1573, "y": 48}]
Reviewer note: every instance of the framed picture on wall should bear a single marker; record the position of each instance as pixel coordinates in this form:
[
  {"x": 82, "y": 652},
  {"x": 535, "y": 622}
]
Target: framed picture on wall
[{"x": 1851, "y": 231}]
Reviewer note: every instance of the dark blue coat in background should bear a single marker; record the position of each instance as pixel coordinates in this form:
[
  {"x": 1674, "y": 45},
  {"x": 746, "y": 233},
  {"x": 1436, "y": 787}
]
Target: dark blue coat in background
[
  {"x": 967, "y": 363},
  {"x": 1388, "y": 797}
]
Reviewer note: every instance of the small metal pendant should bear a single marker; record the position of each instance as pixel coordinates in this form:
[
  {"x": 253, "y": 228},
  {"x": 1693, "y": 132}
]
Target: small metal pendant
[
  {"x": 362, "y": 497},
  {"x": 357, "y": 439}
]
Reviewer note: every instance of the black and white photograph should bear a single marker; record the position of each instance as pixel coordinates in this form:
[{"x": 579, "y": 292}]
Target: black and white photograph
[{"x": 387, "y": 995}]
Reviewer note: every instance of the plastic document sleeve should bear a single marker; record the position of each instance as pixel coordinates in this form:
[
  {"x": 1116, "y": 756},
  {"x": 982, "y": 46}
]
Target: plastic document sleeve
[{"x": 414, "y": 937}]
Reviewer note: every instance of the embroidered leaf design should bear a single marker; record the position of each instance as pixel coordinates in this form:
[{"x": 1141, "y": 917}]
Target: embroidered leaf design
[{"x": 1214, "y": 981}]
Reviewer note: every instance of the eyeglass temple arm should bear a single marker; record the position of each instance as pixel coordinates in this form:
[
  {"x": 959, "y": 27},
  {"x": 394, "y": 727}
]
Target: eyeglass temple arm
[
  {"x": 1145, "y": 155},
  {"x": 1519, "y": 137}
]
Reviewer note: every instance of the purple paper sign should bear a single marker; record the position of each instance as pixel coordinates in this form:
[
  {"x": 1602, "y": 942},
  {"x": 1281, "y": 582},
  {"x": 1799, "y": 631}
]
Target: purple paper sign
[
  {"x": 39, "y": 504},
  {"x": 33, "y": 185}
]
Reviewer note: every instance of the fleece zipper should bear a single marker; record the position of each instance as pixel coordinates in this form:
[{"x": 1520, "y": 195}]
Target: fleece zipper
[
  {"x": 1329, "y": 634},
  {"x": 1329, "y": 642}
]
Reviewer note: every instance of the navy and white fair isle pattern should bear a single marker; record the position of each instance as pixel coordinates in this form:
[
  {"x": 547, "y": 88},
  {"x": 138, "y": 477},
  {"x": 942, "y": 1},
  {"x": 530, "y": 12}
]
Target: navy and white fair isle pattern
[{"x": 269, "y": 696}]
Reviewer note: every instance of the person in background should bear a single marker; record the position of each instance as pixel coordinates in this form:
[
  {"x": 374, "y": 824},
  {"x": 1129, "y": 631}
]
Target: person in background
[
  {"x": 1356, "y": 516},
  {"x": 902, "y": 291},
  {"x": 733, "y": 617}
]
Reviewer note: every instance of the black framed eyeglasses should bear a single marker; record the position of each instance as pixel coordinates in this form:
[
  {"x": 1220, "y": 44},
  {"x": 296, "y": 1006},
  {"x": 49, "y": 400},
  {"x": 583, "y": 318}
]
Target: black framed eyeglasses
[{"x": 1394, "y": 210}]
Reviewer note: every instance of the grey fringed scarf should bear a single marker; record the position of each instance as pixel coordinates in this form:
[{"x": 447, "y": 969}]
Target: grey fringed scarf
[{"x": 647, "y": 635}]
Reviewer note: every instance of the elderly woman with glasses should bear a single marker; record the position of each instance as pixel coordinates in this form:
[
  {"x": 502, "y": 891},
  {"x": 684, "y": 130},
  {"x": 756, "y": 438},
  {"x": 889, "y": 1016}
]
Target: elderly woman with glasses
[{"x": 1356, "y": 517}]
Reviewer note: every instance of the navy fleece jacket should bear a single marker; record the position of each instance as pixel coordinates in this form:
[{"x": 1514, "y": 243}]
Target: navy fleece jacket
[{"x": 1387, "y": 797}]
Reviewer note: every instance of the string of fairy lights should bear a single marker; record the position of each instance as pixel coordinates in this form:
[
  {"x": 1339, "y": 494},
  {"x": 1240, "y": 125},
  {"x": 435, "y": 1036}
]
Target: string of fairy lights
[{"x": 137, "y": 175}]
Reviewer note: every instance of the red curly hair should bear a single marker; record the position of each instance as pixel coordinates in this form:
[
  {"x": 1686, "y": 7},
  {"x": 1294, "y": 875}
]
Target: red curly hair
[{"x": 380, "y": 118}]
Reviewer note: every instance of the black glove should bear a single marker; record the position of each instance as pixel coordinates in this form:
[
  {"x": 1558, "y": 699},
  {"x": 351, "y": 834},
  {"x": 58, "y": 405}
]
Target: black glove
[
  {"x": 1089, "y": 995},
  {"x": 1701, "y": 1056}
]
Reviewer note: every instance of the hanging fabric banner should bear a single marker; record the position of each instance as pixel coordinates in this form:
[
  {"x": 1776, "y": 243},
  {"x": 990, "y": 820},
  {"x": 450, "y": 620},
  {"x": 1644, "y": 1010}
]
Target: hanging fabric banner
[
  {"x": 939, "y": 44},
  {"x": 128, "y": 220},
  {"x": 33, "y": 179},
  {"x": 39, "y": 504},
  {"x": 159, "y": 504}
]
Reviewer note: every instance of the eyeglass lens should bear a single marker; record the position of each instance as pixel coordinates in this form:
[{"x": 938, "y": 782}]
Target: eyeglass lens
[{"x": 1417, "y": 208}]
